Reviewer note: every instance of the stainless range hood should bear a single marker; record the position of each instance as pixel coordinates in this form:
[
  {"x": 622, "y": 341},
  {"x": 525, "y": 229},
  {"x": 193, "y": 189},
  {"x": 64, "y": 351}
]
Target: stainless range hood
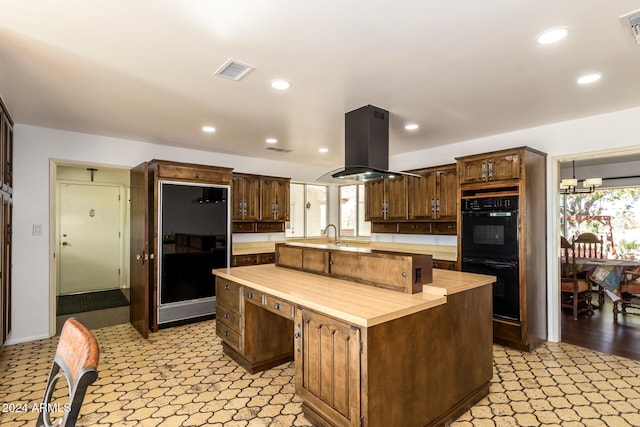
[{"x": 366, "y": 147}]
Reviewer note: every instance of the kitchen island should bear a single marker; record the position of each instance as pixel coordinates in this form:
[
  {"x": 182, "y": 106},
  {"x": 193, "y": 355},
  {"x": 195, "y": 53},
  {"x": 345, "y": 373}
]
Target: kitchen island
[{"x": 364, "y": 356}]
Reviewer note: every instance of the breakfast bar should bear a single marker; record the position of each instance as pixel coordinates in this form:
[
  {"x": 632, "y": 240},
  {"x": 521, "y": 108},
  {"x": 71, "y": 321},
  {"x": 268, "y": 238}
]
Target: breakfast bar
[{"x": 364, "y": 355}]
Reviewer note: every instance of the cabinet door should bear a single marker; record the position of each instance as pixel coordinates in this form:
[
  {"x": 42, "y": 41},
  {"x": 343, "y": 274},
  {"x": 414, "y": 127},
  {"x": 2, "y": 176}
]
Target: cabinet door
[
  {"x": 473, "y": 171},
  {"x": 419, "y": 201},
  {"x": 396, "y": 198},
  {"x": 447, "y": 194},
  {"x": 327, "y": 361},
  {"x": 374, "y": 198},
  {"x": 503, "y": 167},
  {"x": 245, "y": 196},
  {"x": 275, "y": 199},
  {"x": 237, "y": 198}
]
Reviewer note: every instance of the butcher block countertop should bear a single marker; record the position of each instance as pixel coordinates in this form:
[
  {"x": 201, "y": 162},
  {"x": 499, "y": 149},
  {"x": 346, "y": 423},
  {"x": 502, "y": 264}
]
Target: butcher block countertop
[{"x": 352, "y": 302}]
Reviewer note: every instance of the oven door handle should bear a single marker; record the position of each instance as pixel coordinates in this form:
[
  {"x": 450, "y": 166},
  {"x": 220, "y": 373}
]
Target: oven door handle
[{"x": 502, "y": 265}]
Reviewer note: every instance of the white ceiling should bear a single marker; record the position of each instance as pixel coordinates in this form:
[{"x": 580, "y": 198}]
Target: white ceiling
[{"x": 143, "y": 70}]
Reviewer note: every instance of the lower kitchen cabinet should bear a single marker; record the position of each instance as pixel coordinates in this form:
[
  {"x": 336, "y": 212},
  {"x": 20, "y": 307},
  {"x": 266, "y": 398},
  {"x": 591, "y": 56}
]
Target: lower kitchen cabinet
[{"x": 327, "y": 359}]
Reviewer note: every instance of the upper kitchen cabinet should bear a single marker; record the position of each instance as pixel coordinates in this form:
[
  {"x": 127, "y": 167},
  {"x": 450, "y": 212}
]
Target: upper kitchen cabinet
[
  {"x": 433, "y": 196},
  {"x": 386, "y": 199},
  {"x": 245, "y": 197},
  {"x": 259, "y": 203},
  {"x": 489, "y": 168},
  {"x": 274, "y": 198}
]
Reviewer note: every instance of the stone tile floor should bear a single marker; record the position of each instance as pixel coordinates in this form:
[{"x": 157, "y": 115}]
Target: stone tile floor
[{"x": 180, "y": 377}]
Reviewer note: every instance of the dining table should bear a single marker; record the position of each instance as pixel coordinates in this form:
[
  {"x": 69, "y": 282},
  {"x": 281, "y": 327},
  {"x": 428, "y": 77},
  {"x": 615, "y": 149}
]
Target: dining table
[{"x": 609, "y": 275}]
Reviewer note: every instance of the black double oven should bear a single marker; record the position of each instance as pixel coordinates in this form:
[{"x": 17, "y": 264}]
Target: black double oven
[{"x": 490, "y": 233}]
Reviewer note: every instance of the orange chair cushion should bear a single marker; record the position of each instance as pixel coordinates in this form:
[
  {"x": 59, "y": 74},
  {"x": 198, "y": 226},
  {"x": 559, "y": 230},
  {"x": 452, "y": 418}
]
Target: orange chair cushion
[
  {"x": 631, "y": 287},
  {"x": 567, "y": 286}
]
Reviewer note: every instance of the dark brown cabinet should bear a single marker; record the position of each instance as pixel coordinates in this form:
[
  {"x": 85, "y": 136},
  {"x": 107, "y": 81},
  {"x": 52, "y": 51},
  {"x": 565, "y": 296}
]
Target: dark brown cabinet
[
  {"x": 520, "y": 173},
  {"x": 386, "y": 199},
  {"x": 245, "y": 196},
  {"x": 490, "y": 168},
  {"x": 260, "y": 204},
  {"x": 422, "y": 204},
  {"x": 6, "y": 209},
  {"x": 433, "y": 196}
]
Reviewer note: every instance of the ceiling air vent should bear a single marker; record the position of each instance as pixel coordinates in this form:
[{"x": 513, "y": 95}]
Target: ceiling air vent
[
  {"x": 279, "y": 149},
  {"x": 234, "y": 69},
  {"x": 634, "y": 22}
]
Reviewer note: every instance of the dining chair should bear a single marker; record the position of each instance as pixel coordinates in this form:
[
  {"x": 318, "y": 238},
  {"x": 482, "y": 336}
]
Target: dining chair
[
  {"x": 629, "y": 297},
  {"x": 588, "y": 245},
  {"x": 575, "y": 291},
  {"x": 76, "y": 362}
]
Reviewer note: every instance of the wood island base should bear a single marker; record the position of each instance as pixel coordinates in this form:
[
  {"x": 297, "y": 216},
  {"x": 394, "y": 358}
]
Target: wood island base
[{"x": 424, "y": 367}]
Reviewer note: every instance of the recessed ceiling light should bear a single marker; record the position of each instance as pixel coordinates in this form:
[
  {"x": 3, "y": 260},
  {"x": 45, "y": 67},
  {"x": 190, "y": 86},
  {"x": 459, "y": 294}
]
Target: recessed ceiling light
[
  {"x": 411, "y": 126},
  {"x": 280, "y": 84},
  {"x": 271, "y": 141},
  {"x": 552, "y": 35},
  {"x": 589, "y": 78},
  {"x": 208, "y": 129},
  {"x": 323, "y": 150}
]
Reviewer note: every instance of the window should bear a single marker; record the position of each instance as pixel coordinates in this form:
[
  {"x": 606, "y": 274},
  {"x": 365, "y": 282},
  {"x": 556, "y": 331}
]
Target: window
[
  {"x": 309, "y": 213},
  {"x": 352, "y": 208},
  {"x": 613, "y": 214}
]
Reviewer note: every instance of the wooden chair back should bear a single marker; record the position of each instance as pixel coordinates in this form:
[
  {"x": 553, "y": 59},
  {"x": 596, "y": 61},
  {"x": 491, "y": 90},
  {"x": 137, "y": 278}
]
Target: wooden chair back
[
  {"x": 567, "y": 250},
  {"x": 76, "y": 360},
  {"x": 588, "y": 245}
]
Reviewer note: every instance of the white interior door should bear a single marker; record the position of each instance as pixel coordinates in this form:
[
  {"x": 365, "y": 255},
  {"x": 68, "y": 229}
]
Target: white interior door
[{"x": 90, "y": 238}]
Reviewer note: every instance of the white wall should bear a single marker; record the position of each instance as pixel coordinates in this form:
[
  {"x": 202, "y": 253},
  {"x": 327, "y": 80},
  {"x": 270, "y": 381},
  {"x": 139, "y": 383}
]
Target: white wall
[{"x": 34, "y": 147}]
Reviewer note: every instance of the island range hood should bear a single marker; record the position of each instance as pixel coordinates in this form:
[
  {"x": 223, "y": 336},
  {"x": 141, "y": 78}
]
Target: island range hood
[{"x": 366, "y": 147}]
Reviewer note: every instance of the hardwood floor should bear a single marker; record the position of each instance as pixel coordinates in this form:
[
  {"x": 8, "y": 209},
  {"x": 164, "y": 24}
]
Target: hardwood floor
[{"x": 599, "y": 332}]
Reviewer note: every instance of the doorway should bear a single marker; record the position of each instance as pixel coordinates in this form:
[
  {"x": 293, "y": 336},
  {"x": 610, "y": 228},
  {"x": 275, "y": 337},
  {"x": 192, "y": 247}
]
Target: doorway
[
  {"x": 90, "y": 276},
  {"x": 597, "y": 332}
]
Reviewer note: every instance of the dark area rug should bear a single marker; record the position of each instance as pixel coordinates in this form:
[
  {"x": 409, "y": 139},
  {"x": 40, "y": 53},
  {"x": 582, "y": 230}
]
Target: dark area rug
[{"x": 69, "y": 304}]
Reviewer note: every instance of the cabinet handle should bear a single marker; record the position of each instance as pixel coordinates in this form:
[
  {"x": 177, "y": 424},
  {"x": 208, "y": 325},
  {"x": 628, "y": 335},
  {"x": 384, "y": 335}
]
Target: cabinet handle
[
  {"x": 438, "y": 205},
  {"x": 451, "y": 226},
  {"x": 226, "y": 287},
  {"x": 404, "y": 274},
  {"x": 276, "y": 306},
  {"x": 226, "y": 315},
  {"x": 251, "y": 295},
  {"x": 484, "y": 171},
  {"x": 297, "y": 336},
  {"x": 196, "y": 175},
  {"x": 490, "y": 170},
  {"x": 225, "y": 333},
  {"x": 433, "y": 207}
]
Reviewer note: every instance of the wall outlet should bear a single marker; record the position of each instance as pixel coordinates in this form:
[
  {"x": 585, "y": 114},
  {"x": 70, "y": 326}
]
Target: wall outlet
[{"x": 36, "y": 230}]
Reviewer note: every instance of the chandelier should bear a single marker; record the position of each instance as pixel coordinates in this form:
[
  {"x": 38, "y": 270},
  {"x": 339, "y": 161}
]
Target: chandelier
[{"x": 570, "y": 185}]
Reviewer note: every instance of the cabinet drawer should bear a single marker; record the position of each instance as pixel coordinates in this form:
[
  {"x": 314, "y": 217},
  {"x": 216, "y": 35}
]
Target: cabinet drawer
[
  {"x": 194, "y": 173},
  {"x": 229, "y": 336},
  {"x": 240, "y": 260},
  {"x": 414, "y": 228},
  {"x": 444, "y": 228},
  {"x": 267, "y": 258},
  {"x": 278, "y": 306},
  {"x": 229, "y": 318},
  {"x": 243, "y": 227},
  {"x": 254, "y": 296},
  {"x": 228, "y": 294},
  {"x": 270, "y": 227},
  {"x": 384, "y": 227}
]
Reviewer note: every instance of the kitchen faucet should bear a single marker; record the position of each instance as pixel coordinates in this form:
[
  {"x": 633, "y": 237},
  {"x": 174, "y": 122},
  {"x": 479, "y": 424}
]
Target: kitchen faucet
[{"x": 335, "y": 230}]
